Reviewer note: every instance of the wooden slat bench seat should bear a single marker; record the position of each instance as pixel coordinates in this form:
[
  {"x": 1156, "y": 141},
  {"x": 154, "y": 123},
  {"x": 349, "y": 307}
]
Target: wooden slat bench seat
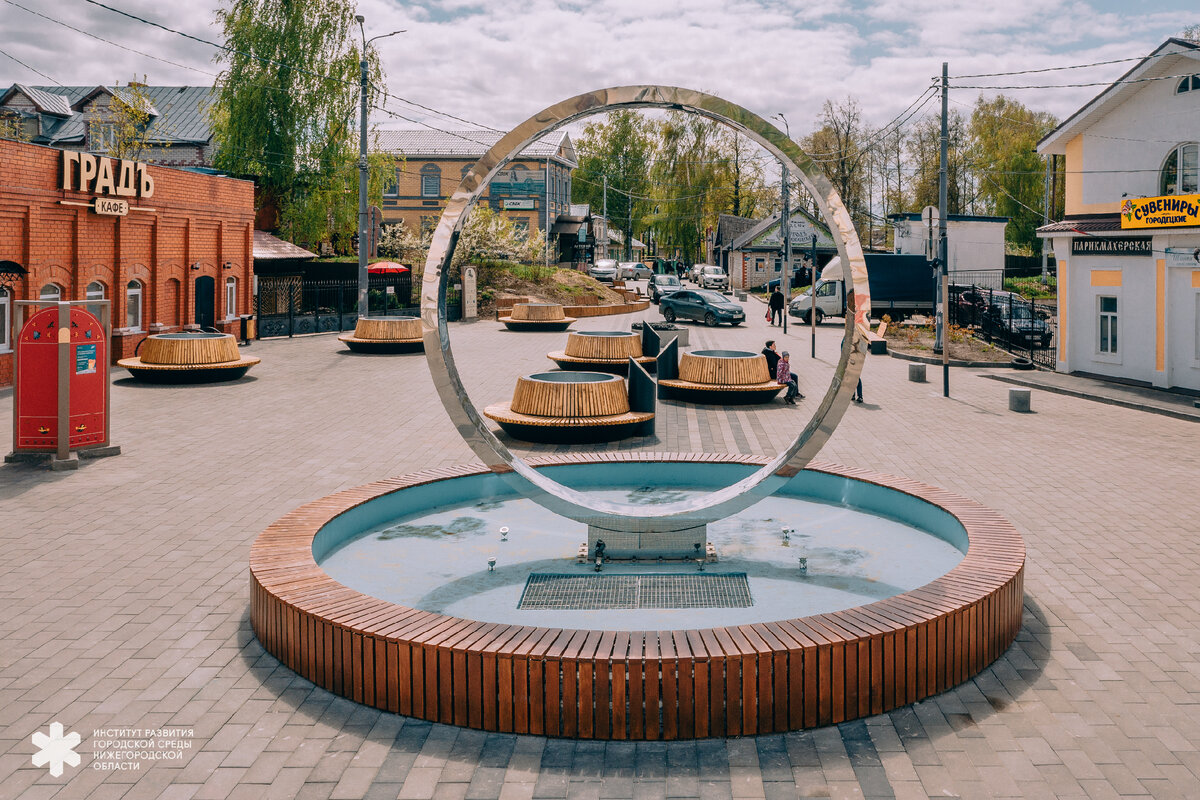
[{"x": 743, "y": 680}]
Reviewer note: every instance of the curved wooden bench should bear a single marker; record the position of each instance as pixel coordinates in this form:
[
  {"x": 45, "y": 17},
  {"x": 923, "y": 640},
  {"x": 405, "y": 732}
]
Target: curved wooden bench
[
  {"x": 567, "y": 407},
  {"x": 606, "y": 310},
  {"x": 733, "y": 377},
  {"x": 188, "y": 358},
  {"x": 537, "y": 317},
  {"x": 385, "y": 335},
  {"x": 605, "y": 351},
  {"x": 644, "y": 685}
]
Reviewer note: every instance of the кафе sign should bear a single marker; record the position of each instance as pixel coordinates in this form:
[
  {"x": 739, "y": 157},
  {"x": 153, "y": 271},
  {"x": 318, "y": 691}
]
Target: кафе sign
[{"x": 100, "y": 175}]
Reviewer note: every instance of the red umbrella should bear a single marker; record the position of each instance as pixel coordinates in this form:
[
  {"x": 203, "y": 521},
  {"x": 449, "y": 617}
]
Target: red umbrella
[{"x": 387, "y": 268}]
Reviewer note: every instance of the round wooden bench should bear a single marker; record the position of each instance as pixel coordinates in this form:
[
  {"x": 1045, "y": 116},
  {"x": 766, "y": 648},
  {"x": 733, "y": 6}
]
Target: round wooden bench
[
  {"x": 537, "y": 317},
  {"x": 726, "y": 377},
  {"x": 188, "y": 357},
  {"x": 603, "y": 351},
  {"x": 385, "y": 335},
  {"x": 568, "y": 408}
]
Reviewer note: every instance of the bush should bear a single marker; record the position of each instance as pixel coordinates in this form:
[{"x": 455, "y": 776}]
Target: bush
[{"x": 1032, "y": 288}]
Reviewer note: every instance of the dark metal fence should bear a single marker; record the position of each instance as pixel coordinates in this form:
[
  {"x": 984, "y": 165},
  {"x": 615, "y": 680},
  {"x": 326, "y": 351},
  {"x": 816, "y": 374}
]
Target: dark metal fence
[
  {"x": 1022, "y": 327},
  {"x": 291, "y": 305}
]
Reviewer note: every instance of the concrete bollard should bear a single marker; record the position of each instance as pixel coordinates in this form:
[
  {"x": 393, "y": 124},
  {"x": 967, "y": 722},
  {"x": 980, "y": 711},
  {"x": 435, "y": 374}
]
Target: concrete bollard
[
  {"x": 916, "y": 373},
  {"x": 1018, "y": 400}
]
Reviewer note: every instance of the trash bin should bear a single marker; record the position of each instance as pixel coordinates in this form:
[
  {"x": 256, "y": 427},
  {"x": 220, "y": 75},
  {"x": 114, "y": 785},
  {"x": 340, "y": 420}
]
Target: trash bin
[{"x": 248, "y": 331}]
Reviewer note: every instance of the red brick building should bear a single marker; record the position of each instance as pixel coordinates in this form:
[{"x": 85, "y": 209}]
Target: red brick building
[{"x": 169, "y": 247}]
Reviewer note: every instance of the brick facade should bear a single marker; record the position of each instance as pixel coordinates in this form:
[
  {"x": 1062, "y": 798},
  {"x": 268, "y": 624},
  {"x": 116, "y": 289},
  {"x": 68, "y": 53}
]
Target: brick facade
[{"x": 195, "y": 227}]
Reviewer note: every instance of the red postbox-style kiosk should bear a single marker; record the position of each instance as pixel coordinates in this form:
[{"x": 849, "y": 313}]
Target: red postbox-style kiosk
[{"x": 60, "y": 397}]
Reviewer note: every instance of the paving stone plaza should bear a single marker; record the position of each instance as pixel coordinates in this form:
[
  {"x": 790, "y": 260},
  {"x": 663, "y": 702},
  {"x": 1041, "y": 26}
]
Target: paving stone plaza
[{"x": 124, "y": 588}]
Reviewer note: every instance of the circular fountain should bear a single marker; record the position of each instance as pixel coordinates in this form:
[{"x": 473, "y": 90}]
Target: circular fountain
[
  {"x": 639, "y": 595},
  {"x": 406, "y": 595},
  {"x": 385, "y": 335},
  {"x": 188, "y": 357},
  {"x": 727, "y": 377}
]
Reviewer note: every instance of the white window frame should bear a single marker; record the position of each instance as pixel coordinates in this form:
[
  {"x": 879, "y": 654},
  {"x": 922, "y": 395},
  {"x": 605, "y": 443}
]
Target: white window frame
[
  {"x": 431, "y": 172},
  {"x": 56, "y": 294},
  {"x": 5, "y": 319},
  {"x": 1114, "y": 328},
  {"x": 1177, "y": 152},
  {"x": 133, "y": 300},
  {"x": 94, "y": 293},
  {"x": 230, "y": 297}
]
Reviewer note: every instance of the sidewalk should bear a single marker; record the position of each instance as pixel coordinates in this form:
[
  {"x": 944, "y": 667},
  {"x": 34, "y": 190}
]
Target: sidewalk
[{"x": 1155, "y": 401}]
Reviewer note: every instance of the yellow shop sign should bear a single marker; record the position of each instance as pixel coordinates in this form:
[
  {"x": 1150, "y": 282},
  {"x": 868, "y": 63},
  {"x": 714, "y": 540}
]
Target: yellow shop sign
[{"x": 1158, "y": 212}]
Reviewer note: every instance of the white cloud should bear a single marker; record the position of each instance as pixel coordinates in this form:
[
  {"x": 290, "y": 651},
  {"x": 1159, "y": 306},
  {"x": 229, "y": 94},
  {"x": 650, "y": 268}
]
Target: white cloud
[{"x": 498, "y": 62}]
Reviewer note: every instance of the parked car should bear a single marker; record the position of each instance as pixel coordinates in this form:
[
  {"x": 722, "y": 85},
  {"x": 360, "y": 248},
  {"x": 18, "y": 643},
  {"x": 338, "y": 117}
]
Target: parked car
[
  {"x": 634, "y": 269},
  {"x": 801, "y": 276},
  {"x": 968, "y": 303},
  {"x": 713, "y": 278},
  {"x": 663, "y": 284},
  {"x": 604, "y": 270},
  {"x": 1014, "y": 320},
  {"x": 703, "y": 305}
]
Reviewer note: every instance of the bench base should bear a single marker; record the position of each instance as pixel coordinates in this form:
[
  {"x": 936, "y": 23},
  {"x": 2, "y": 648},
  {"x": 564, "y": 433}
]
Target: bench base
[
  {"x": 383, "y": 345},
  {"x": 184, "y": 374},
  {"x": 619, "y": 366},
  {"x": 691, "y": 392}
]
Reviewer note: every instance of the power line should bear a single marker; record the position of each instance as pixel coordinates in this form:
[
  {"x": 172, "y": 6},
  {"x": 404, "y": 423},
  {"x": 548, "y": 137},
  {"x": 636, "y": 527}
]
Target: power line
[
  {"x": 1057, "y": 69},
  {"x": 1072, "y": 85},
  {"x": 31, "y": 69}
]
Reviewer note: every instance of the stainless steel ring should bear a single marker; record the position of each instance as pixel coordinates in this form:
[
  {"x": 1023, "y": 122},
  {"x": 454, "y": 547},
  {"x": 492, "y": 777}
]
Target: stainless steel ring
[{"x": 578, "y": 505}]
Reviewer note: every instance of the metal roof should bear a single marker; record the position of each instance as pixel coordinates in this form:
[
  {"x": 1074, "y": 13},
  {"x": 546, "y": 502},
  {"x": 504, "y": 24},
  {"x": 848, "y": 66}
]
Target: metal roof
[
  {"x": 180, "y": 112},
  {"x": 271, "y": 248},
  {"x": 1090, "y": 223},
  {"x": 45, "y": 101},
  {"x": 424, "y": 143}
]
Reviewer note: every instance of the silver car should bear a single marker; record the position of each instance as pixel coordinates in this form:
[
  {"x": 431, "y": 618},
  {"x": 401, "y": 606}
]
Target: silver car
[
  {"x": 604, "y": 270},
  {"x": 713, "y": 278},
  {"x": 634, "y": 270}
]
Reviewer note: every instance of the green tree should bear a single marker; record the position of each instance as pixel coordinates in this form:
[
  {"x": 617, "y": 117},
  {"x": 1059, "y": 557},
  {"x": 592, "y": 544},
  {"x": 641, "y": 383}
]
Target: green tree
[
  {"x": 286, "y": 112},
  {"x": 1010, "y": 172},
  {"x": 841, "y": 148},
  {"x": 130, "y": 112},
  {"x": 924, "y": 152},
  {"x": 619, "y": 148}
]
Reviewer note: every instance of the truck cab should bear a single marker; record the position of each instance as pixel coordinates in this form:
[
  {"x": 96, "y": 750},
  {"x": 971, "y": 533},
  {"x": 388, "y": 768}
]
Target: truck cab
[{"x": 831, "y": 301}]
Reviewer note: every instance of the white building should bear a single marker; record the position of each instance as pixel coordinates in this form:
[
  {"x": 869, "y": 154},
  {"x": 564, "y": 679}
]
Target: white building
[
  {"x": 1128, "y": 274},
  {"x": 974, "y": 245}
]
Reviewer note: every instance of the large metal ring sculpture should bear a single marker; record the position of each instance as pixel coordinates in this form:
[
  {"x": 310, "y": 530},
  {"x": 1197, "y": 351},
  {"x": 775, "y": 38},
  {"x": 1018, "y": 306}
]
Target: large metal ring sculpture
[{"x": 562, "y": 499}]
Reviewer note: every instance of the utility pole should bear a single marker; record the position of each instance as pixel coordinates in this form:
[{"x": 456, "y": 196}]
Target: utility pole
[
  {"x": 943, "y": 248},
  {"x": 364, "y": 165},
  {"x": 812, "y": 294},
  {"x": 606, "y": 216},
  {"x": 1046, "y": 221},
  {"x": 785, "y": 223}
]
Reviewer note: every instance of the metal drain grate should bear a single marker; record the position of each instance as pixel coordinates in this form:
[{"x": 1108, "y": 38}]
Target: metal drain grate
[{"x": 546, "y": 590}]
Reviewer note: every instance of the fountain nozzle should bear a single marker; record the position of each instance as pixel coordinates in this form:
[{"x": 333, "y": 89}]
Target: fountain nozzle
[
  {"x": 504, "y": 534},
  {"x": 803, "y": 565},
  {"x": 491, "y": 563}
]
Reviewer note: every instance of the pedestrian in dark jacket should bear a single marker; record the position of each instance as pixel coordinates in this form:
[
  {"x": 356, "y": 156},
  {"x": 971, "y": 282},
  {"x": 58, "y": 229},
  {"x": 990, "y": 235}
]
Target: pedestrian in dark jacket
[
  {"x": 776, "y": 306},
  {"x": 772, "y": 357}
]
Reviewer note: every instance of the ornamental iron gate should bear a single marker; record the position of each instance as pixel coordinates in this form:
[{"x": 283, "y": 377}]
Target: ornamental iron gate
[{"x": 291, "y": 305}]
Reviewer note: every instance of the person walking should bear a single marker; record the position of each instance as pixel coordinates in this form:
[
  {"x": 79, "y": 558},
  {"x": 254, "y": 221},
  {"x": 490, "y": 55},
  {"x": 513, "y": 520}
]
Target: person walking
[
  {"x": 772, "y": 357},
  {"x": 784, "y": 377},
  {"x": 776, "y": 305}
]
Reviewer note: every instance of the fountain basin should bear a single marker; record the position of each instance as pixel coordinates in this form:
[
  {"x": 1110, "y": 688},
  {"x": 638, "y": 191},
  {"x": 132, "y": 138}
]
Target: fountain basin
[{"x": 652, "y": 682}]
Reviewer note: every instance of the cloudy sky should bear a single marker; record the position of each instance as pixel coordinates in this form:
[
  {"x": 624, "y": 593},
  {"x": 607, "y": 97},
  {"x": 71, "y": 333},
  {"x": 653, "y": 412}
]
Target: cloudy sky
[{"x": 497, "y": 62}]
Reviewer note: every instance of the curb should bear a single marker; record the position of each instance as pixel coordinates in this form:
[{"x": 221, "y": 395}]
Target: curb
[
  {"x": 1112, "y": 401},
  {"x": 953, "y": 362}
]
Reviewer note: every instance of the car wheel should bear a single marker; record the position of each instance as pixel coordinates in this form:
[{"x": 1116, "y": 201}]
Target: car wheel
[
  {"x": 710, "y": 319},
  {"x": 820, "y": 316},
  {"x": 669, "y": 314}
]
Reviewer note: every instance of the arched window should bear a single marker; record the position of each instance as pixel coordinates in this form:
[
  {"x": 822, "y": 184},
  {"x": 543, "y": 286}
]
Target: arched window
[
  {"x": 431, "y": 180},
  {"x": 4, "y": 318},
  {"x": 1179, "y": 171},
  {"x": 95, "y": 291},
  {"x": 230, "y": 297},
  {"x": 1190, "y": 83},
  {"x": 51, "y": 291},
  {"x": 133, "y": 305}
]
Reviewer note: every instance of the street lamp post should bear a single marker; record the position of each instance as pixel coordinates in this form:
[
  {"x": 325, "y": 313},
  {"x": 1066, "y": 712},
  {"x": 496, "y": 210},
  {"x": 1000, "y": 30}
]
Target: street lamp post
[{"x": 363, "y": 165}]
